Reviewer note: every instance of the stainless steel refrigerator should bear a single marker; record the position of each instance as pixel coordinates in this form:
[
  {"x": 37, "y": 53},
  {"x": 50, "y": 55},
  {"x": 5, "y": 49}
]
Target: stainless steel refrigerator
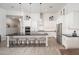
[{"x": 59, "y": 33}]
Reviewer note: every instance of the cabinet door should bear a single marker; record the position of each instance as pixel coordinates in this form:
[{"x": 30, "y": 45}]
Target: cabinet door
[
  {"x": 76, "y": 20},
  {"x": 72, "y": 42}
]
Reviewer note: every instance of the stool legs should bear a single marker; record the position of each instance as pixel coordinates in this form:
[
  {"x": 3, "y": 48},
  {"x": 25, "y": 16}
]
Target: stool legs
[{"x": 30, "y": 42}]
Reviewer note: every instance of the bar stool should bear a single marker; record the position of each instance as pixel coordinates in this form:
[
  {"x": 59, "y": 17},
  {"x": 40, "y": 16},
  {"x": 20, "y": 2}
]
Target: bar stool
[
  {"x": 37, "y": 42},
  {"x": 23, "y": 41},
  {"x": 34, "y": 42},
  {"x": 27, "y": 42},
  {"x": 41, "y": 41},
  {"x": 31, "y": 41},
  {"x": 14, "y": 42},
  {"x": 10, "y": 42},
  {"x": 19, "y": 42}
]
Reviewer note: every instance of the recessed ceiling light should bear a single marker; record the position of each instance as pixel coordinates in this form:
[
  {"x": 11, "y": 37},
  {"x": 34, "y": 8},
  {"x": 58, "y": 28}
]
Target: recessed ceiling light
[
  {"x": 12, "y": 6},
  {"x": 50, "y": 6},
  {"x": 30, "y": 4},
  {"x": 20, "y": 3},
  {"x": 40, "y": 3}
]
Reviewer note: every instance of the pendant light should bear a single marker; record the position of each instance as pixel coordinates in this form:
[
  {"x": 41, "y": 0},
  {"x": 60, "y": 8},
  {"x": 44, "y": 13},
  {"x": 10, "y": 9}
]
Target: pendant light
[
  {"x": 30, "y": 9},
  {"x": 41, "y": 24},
  {"x": 41, "y": 15},
  {"x": 28, "y": 17},
  {"x": 20, "y": 10},
  {"x": 51, "y": 18}
]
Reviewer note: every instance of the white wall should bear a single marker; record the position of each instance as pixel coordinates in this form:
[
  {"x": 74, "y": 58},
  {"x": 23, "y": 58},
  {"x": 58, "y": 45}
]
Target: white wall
[
  {"x": 70, "y": 7},
  {"x": 49, "y": 25},
  {"x": 34, "y": 21},
  {"x": 67, "y": 24},
  {"x": 20, "y": 13},
  {"x": 2, "y": 23}
]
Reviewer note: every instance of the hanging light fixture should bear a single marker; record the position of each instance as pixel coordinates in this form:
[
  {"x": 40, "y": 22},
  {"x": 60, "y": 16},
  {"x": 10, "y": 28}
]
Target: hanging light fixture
[
  {"x": 28, "y": 17},
  {"x": 20, "y": 4},
  {"x": 51, "y": 18},
  {"x": 30, "y": 10},
  {"x": 41, "y": 13},
  {"x": 41, "y": 22}
]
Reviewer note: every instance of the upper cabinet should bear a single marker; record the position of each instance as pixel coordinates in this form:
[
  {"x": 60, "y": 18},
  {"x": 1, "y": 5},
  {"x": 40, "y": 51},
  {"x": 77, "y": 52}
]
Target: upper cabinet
[
  {"x": 68, "y": 20},
  {"x": 72, "y": 20},
  {"x": 76, "y": 19}
]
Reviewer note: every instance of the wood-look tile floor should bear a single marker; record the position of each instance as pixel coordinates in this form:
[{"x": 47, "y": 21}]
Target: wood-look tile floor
[
  {"x": 69, "y": 51},
  {"x": 52, "y": 49}
]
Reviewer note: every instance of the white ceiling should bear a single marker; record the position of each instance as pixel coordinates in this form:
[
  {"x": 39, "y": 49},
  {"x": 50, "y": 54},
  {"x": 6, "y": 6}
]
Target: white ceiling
[{"x": 34, "y": 7}]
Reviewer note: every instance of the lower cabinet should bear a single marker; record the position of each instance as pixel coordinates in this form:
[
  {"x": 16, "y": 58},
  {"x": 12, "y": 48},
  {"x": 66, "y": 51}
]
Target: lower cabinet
[{"x": 70, "y": 42}]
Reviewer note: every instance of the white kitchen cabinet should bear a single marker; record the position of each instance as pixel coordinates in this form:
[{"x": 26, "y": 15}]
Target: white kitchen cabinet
[
  {"x": 72, "y": 20},
  {"x": 70, "y": 42},
  {"x": 76, "y": 20}
]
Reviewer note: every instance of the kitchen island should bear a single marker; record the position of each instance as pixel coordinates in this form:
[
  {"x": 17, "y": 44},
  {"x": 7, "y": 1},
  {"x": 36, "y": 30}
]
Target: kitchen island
[
  {"x": 42, "y": 38},
  {"x": 70, "y": 42}
]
